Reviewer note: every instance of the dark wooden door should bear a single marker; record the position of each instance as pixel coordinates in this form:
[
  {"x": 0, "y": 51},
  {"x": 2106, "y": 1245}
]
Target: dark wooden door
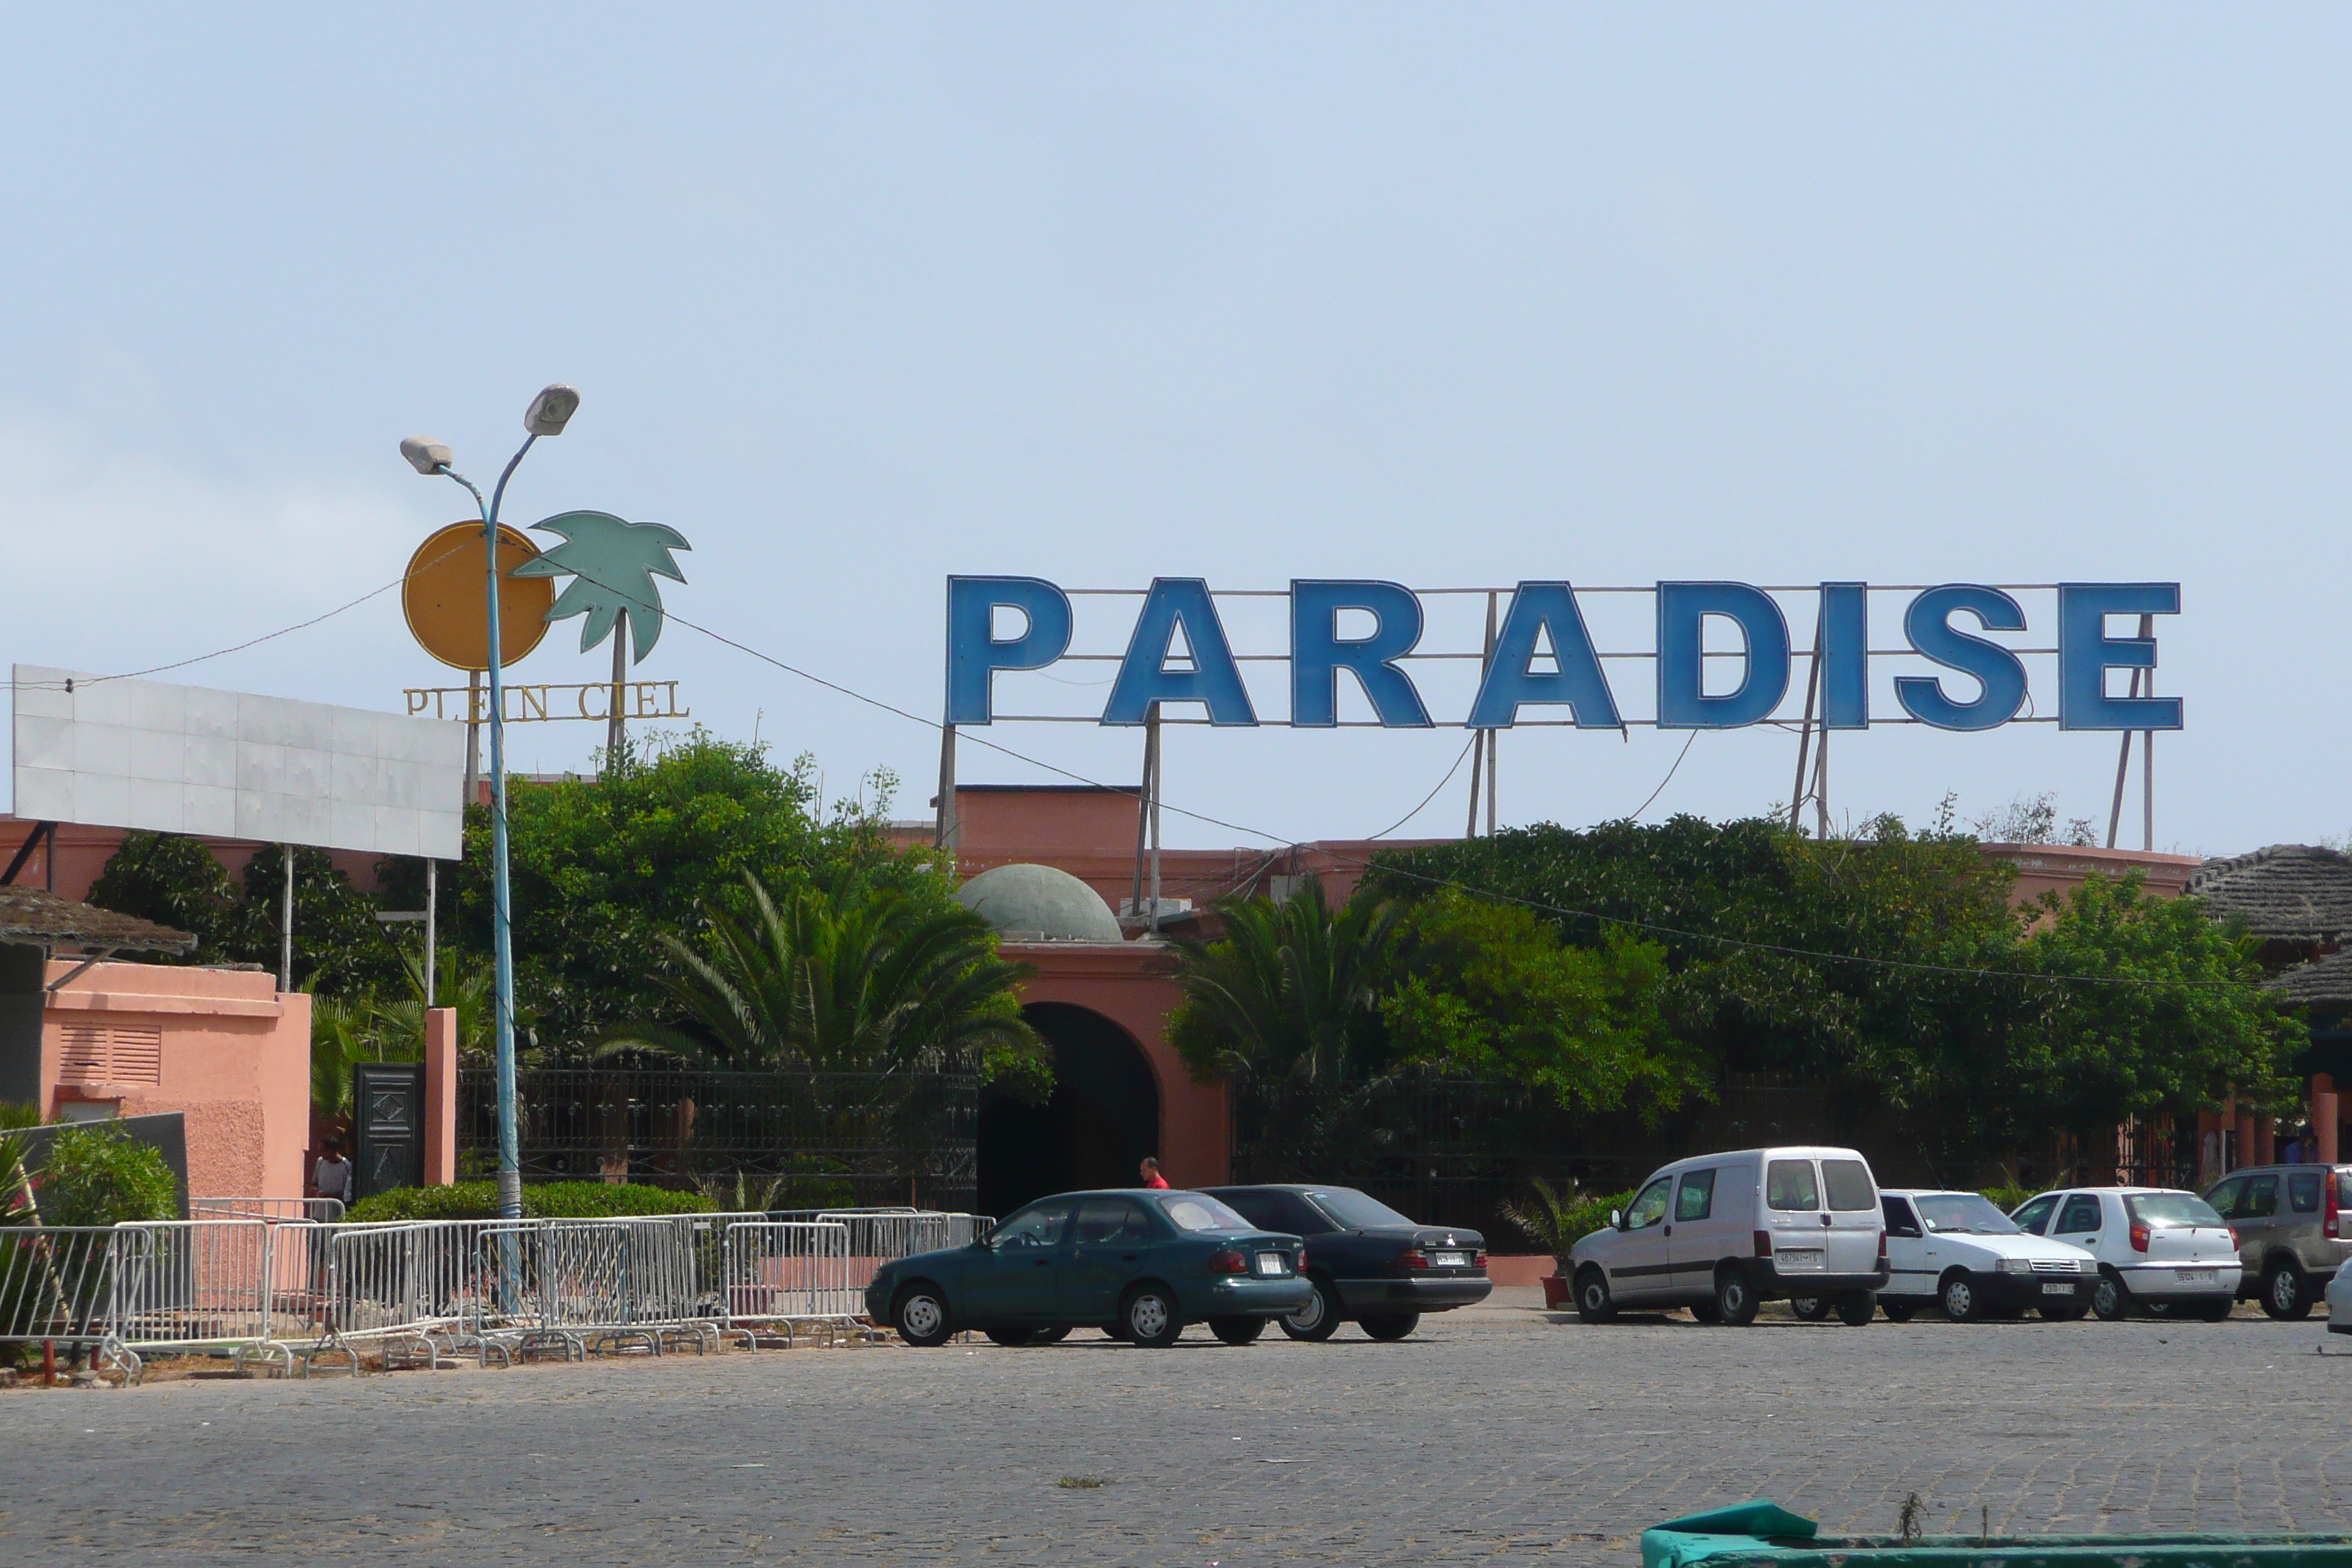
[{"x": 388, "y": 1126}]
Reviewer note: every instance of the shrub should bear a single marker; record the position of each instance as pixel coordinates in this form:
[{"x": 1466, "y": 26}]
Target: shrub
[
  {"x": 542, "y": 1200},
  {"x": 1555, "y": 1223},
  {"x": 98, "y": 1174},
  {"x": 2005, "y": 1198}
]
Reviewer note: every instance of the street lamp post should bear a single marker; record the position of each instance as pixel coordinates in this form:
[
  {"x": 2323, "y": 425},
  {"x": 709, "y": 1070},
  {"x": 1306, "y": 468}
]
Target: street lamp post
[{"x": 546, "y": 416}]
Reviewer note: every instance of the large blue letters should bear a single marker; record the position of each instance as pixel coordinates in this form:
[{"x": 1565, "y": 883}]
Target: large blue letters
[
  {"x": 2086, "y": 653},
  {"x": 1927, "y": 622},
  {"x": 974, "y": 652},
  {"x": 1549, "y": 609},
  {"x": 1317, "y": 652},
  {"x": 1683, "y": 609},
  {"x": 1144, "y": 676}
]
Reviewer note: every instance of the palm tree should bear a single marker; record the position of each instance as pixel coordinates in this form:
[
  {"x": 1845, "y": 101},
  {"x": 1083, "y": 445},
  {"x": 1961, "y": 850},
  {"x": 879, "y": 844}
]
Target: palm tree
[
  {"x": 856, "y": 981},
  {"x": 1289, "y": 991}
]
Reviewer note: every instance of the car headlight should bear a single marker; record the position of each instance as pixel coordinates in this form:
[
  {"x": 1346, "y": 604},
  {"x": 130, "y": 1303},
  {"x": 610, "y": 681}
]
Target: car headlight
[{"x": 2017, "y": 1266}]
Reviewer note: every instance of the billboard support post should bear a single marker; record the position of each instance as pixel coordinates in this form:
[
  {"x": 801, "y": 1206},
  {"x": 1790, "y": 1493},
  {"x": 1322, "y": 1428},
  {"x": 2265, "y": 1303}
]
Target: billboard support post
[{"x": 286, "y": 924}]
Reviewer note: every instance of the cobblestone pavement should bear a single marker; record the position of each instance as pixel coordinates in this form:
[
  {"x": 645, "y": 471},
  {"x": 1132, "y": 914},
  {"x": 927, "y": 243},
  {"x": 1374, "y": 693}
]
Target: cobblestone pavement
[{"x": 1499, "y": 1436}]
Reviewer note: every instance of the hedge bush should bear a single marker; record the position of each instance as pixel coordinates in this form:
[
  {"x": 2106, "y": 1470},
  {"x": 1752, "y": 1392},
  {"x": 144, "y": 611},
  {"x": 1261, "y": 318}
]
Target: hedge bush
[
  {"x": 95, "y": 1174},
  {"x": 541, "y": 1200}
]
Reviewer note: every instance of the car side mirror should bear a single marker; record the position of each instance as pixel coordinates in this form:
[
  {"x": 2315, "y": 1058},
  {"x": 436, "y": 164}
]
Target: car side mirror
[{"x": 1616, "y": 1220}]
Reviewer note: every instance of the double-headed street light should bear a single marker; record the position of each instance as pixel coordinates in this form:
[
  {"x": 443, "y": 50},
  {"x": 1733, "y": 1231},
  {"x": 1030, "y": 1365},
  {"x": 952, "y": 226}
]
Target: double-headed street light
[{"x": 546, "y": 416}]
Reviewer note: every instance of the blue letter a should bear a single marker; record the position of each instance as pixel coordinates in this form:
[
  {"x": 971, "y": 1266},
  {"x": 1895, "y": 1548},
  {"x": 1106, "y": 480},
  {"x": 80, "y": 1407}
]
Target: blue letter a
[
  {"x": 1549, "y": 609},
  {"x": 1144, "y": 676}
]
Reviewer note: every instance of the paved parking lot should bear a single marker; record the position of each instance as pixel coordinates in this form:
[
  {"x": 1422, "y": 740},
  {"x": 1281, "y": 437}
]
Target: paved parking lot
[{"x": 1498, "y": 1435}]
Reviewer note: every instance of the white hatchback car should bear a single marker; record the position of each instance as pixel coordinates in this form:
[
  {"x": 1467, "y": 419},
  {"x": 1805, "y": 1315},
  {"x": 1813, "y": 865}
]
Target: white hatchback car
[
  {"x": 1956, "y": 1252},
  {"x": 2339, "y": 1302},
  {"x": 2158, "y": 1249}
]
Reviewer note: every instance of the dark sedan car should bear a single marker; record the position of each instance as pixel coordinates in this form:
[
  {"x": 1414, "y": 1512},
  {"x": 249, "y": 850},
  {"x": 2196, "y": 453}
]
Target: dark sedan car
[
  {"x": 1141, "y": 1264},
  {"x": 1369, "y": 1262}
]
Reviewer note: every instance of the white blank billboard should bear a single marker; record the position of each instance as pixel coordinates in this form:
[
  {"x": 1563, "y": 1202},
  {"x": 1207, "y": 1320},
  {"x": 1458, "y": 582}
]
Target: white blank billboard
[{"x": 226, "y": 764}]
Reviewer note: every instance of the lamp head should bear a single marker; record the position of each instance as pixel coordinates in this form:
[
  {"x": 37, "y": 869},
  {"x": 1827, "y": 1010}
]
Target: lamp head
[
  {"x": 551, "y": 410},
  {"x": 425, "y": 457}
]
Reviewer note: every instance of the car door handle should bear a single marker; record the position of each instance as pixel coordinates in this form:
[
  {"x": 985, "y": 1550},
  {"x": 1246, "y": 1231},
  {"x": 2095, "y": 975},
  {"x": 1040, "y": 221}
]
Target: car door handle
[
  {"x": 1044, "y": 1263},
  {"x": 1127, "y": 1256},
  {"x": 1670, "y": 1230}
]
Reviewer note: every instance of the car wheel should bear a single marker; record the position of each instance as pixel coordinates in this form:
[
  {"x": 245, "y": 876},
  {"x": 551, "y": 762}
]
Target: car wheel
[
  {"x": 2110, "y": 1298},
  {"x": 1705, "y": 1312},
  {"x": 2072, "y": 1312},
  {"x": 1735, "y": 1299},
  {"x": 1011, "y": 1337},
  {"x": 1319, "y": 1319},
  {"x": 2284, "y": 1295},
  {"x": 1958, "y": 1297},
  {"x": 921, "y": 1318},
  {"x": 1812, "y": 1308},
  {"x": 1390, "y": 1325},
  {"x": 1897, "y": 1312},
  {"x": 1050, "y": 1336},
  {"x": 1595, "y": 1304},
  {"x": 1237, "y": 1330},
  {"x": 1856, "y": 1308},
  {"x": 1148, "y": 1317}
]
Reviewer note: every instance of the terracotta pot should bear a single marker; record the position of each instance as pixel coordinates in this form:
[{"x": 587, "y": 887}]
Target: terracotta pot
[{"x": 1557, "y": 1294}]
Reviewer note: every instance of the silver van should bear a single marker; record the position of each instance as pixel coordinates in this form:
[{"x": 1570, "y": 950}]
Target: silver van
[
  {"x": 2291, "y": 1237},
  {"x": 1721, "y": 1233}
]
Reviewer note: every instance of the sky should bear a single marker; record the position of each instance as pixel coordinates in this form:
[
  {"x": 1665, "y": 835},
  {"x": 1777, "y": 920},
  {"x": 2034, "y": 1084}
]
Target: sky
[{"x": 857, "y": 298}]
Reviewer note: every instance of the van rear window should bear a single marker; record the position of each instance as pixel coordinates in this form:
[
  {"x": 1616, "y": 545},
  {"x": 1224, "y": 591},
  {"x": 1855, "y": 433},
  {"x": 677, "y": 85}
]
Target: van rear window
[
  {"x": 1850, "y": 1186},
  {"x": 1788, "y": 1186}
]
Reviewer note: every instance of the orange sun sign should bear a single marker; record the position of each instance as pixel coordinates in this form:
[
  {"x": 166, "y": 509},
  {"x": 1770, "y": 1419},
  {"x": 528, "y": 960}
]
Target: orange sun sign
[{"x": 445, "y": 600}]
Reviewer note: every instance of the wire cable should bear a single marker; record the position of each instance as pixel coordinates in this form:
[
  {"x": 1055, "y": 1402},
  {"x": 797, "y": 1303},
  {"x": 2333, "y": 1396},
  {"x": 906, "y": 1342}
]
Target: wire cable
[
  {"x": 1664, "y": 782},
  {"x": 1476, "y": 736}
]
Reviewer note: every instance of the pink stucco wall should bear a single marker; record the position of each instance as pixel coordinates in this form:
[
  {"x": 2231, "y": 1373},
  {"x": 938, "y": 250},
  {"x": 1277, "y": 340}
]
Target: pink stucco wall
[{"x": 222, "y": 1046}]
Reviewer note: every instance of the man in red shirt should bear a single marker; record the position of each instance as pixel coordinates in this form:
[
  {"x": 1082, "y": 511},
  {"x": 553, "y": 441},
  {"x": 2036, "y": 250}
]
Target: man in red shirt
[{"x": 1151, "y": 1176}]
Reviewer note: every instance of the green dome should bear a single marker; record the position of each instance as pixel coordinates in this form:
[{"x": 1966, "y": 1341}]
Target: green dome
[{"x": 1039, "y": 903}]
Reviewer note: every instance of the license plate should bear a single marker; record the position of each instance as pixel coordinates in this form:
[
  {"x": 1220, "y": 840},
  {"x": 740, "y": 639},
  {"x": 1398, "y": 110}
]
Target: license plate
[
  {"x": 2194, "y": 1276},
  {"x": 2057, "y": 1290},
  {"x": 1797, "y": 1257},
  {"x": 1449, "y": 1260},
  {"x": 1273, "y": 1263}
]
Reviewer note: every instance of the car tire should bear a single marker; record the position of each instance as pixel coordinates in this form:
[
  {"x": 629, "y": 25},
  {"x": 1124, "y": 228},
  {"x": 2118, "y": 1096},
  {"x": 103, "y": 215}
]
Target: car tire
[
  {"x": 1050, "y": 1336},
  {"x": 1897, "y": 1312},
  {"x": 1810, "y": 1308},
  {"x": 1856, "y": 1308},
  {"x": 1237, "y": 1330},
  {"x": 1012, "y": 1339},
  {"x": 1390, "y": 1325},
  {"x": 1319, "y": 1319},
  {"x": 2287, "y": 1295},
  {"x": 1147, "y": 1317},
  {"x": 1705, "y": 1312},
  {"x": 1960, "y": 1299},
  {"x": 2109, "y": 1296},
  {"x": 921, "y": 1315},
  {"x": 1735, "y": 1298},
  {"x": 2073, "y": 1313},
  {"x": 1594, "y": 1303}
]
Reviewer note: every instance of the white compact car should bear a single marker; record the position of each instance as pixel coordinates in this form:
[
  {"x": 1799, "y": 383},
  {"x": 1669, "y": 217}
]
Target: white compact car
[
  {"x": 2339, "y": 1302},
  {"x": 1720, "y": 1233},
  {"x": 1956, "y": 1252},
  {"x": 2158, "y": 1249}
]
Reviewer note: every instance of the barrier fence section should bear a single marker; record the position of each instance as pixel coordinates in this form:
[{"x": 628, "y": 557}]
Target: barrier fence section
[
  {"x": 882, "y": 1235},
  {"x": 325, "y": 1211},
  {"x": 787, "y": 1273},
  {"x": 58, "y": 1285}
]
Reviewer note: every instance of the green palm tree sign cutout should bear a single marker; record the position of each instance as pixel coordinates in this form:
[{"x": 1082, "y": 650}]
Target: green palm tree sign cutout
[{"x": 613, "y": 564}]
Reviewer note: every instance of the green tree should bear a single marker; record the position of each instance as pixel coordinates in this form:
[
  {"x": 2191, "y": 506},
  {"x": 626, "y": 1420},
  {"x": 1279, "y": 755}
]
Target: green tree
[
  {"x": 96, "y": 1174},
  {"x": 340, "y": 948},
  {"x": 175, "y": 881},
  {"x": 1486, "y": 989},
  {"x": 855, "y": 979},
  {"x": 1290, "y": 991}
]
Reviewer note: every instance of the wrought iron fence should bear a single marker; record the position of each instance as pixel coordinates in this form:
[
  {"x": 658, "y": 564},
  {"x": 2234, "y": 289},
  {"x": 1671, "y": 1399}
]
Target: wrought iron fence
[{"x": 827, "y": 1139}]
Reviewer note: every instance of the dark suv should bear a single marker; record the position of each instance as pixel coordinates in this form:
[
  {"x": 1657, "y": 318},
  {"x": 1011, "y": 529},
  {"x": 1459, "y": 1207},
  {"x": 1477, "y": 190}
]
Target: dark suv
[
  {"x": 1366, "y": 1261},
  {"x": 2290, "y": 1237}
]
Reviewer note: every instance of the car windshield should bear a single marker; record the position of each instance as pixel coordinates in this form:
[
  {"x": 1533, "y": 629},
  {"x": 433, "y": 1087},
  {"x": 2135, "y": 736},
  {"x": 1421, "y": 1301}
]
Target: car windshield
[
  {"x": 1355, "y": 1210},
  {"x": 1198, "y": 1211},
  {"x": 1963, "y": 1213},
  {"x": 2172, "y": 1208}
]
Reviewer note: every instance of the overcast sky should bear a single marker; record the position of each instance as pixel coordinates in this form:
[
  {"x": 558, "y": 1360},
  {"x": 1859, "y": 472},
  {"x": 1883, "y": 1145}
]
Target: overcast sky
[{"x": 858, "y": 297}]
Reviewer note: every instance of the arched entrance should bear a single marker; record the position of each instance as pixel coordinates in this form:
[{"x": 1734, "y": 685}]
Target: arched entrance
[{"x": 1102, "y": 1120}]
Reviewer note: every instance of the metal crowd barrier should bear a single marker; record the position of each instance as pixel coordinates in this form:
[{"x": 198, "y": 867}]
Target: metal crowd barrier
[
  {"x": 880, "y": 1236},
  {"x": 59, "y": 1286},
  {"x": 792, "y": 1275},
  {"x": 325, "y": 1211}
]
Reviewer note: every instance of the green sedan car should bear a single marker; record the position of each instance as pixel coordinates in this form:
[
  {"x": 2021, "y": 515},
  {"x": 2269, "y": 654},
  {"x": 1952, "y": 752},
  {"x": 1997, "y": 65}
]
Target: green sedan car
[{"x": 1140, "y": 1264}]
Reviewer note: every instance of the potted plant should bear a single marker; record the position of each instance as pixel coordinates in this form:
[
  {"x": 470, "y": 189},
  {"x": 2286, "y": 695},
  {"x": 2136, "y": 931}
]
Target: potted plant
[{"x": 1556, "y": 1221}]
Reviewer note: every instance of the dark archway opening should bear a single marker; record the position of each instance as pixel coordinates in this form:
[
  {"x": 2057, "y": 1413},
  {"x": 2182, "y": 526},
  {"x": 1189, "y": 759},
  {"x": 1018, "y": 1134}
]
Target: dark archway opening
[{"x": 1102, "y": 1120}]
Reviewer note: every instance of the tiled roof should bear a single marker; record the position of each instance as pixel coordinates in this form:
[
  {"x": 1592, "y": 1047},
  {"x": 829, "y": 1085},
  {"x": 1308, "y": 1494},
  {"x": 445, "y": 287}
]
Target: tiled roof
[
  {"x": 2324, "y": 982},
  {"x": 29, "y": 917},
  {"x": 2294, "y": 892}
]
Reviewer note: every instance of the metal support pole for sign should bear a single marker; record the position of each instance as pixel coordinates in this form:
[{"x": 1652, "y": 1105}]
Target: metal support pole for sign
[
  {"x": 49, "y": 860},
  {"x": 2123, "y": 754},
  {"x": 1156, "y": 765},
  {"x": 1478, "y": 770},
  {"x": 614, "y": 728},
  {"x": 473, "y": 733},
  {"x": 286, "y": 925},
  {"x": 1494, "y": 763},
  {"x": 1143, "y": 812},
  {"x": 431, "y": 925},
  {"x": 2123, "y": 771},
  {"x": 1805, "y": 732},
  {"x": 1821, "y": 786},
  {"x": 944, "y": 832}
]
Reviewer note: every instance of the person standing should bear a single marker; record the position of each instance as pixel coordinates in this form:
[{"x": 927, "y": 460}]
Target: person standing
[
  {"x": 1151, "y": 1176},
  {"x": 331, "y": 1178}
]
